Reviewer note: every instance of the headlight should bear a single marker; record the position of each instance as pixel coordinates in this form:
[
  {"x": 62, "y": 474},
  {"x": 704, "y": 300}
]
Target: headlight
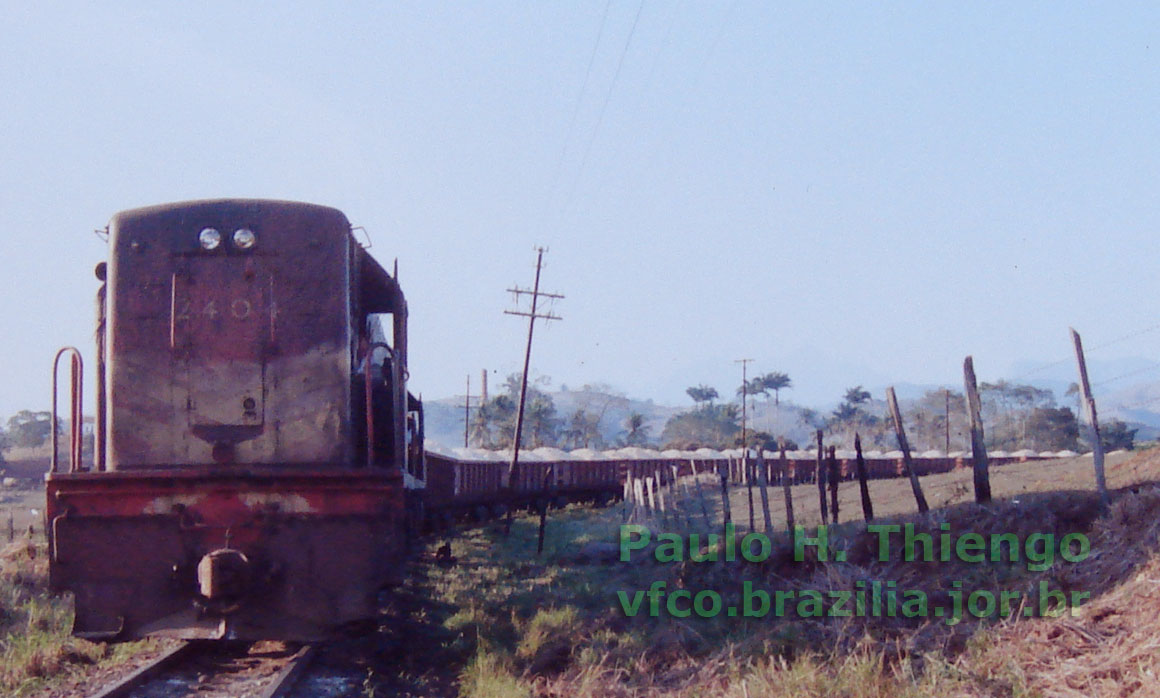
[
  {"x": 244, "y": 238},
  {"x": 210, "y": 238}
]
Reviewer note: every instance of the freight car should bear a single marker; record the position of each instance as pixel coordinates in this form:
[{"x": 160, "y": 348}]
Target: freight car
[
  {"x": 467, "y": 484},
  {"x": 257, "y": 451}
]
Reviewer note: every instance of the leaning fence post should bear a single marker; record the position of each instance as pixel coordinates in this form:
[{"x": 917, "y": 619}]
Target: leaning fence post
[
  {"x": 627, "y": 494},
  {"x": 638, "y": 490},
  {"x": 727, "y": 513},
  {"x": 786, "y": 488},
  {"x": 867, "y": 507},
  {"x": 1089, "y": 405},
  {"x": 762, "y": 483},
  {"x": 747, "y": 466},
  {"x": 700, "y": 493},
  {"x": 833, "y": 475},
  {"x": 821, "y": 470},
  {"x": 978, "y": 444},
  {"x": 904, "y": 445}
]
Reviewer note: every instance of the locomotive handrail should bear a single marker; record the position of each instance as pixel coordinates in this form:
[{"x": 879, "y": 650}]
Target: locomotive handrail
[{"x": 76, "y": 425}]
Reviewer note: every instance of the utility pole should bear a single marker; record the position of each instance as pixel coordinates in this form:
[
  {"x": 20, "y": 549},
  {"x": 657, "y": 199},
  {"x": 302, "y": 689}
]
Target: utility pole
[
  {"x": 532, "y": 316},
  {"x": 744, "y": 397},
  {"x": 467, "y": 412},
  {"x": 947, "y": 420}
]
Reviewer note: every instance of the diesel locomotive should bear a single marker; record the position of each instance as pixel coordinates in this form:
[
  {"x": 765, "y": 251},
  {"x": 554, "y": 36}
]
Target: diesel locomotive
[{"x": 258, "y": 457}]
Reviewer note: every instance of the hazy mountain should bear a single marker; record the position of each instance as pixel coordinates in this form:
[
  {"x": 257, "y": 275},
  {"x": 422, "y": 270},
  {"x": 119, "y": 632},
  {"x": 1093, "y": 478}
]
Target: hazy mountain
[{"x": 1121, "y": 386}]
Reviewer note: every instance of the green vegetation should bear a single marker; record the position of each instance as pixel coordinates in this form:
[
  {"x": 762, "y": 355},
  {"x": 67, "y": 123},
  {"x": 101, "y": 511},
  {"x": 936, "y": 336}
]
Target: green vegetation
[
  {"x": 708, "y": 424},
  {"x": 36, "y": 650},
  {"x": 495, "y": 420},
  {"x": 27, "y": 429}
]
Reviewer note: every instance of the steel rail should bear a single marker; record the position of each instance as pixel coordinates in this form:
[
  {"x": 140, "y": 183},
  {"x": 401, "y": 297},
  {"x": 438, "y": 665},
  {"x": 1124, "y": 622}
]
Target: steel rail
[
  {"x": 123, "y": 687},
  {"x": 284, "y": 681},
  {"x": 280, "y": 686}
]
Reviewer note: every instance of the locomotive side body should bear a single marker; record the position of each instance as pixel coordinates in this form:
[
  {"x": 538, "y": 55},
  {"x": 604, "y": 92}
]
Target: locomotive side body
[{"x": 260, "y": 436}]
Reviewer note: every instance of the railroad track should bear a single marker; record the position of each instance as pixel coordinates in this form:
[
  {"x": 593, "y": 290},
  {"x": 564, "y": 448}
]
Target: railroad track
[{"x": 211, "y": 670}]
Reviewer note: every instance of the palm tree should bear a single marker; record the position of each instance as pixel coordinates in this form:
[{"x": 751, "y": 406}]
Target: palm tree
[
  {"x": 637, "y": 430},
  {"x": 856, "y": 396},
  {"x": 753, "y": 387},
  {"x": 775, "y": 381},
  {"x": 702, "y": 393}
]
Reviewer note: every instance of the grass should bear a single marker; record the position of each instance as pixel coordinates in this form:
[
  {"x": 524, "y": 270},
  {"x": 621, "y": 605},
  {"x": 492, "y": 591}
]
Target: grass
[
  {"x": 37, "y": 653},
  {"x": 521, "y": 624}
]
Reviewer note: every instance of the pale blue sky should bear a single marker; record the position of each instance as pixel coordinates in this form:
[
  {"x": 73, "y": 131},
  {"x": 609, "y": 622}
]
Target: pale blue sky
[{"x": 848, "y": 192}]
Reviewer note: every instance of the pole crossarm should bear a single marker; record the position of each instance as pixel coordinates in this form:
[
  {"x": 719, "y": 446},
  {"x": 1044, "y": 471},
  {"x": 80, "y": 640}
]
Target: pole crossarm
[
  {"x": 538, "y": 316},
  {"x": 533, "y": 292}
]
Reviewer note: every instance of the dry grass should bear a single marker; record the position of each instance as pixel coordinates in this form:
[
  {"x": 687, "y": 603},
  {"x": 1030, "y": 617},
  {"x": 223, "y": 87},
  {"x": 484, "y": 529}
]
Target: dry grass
[
  {"x": 1112, "y": 647},
  {"x": 552, "y": 626},
  {"x": 37, "y": 652}
]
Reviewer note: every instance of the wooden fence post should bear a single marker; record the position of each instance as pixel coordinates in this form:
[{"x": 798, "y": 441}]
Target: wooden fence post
[
  {"x": 638, "y": 490},
  {"x": 904, "y": 445},
  {"x": 978, "y": 445},
  {"x": 700, "y": 493},
  {"x": 547, "y": 487},
  {"x": 627, "y": 495},
  {"x": 867, "y": 506},
  {"x": 747, "y": 465},
  {"x": 786, "y": 487},
  {"x": 1089, "y": 405},
  {"x": 821, "y": 470},
  {"x": 680, "y": 501},
  {"x": 726, "y": 510},
  {"x": 762, "y": 482},
  {"x": 833, "y": 475}
]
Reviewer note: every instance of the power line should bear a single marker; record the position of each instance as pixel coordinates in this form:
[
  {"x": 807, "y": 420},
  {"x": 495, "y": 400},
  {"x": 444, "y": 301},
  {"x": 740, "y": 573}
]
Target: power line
[
  {"x": 1136, "y": 372},
  {"x": 575, "y": 114},
  {"x": 603, "y": 108},
  {"x": 1102, "y": 345}
]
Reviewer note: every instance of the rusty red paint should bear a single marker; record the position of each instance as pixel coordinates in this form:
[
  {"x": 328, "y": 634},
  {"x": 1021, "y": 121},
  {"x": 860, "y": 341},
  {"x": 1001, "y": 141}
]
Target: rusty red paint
[
  {"x": 197, "y": 335},
  {"x": 130, "y": 544},
  {"x": 234, "y": 441}
]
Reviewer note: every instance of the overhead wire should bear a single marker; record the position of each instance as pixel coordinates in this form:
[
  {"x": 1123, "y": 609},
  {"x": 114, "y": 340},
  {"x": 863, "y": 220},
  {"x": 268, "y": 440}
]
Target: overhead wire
[
  {"x": 693, "y": 78},
  {"x": 1129, "y": 374},
  {"x": 674, "y": 8},
  {"x": 1090, "y": 350},
  {"x": 575, "y": 115},
  {"x": 603, "y": 109}
]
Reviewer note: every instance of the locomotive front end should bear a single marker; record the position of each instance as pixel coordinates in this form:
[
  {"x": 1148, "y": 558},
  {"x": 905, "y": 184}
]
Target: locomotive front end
[{"x": 250, "y": 474}]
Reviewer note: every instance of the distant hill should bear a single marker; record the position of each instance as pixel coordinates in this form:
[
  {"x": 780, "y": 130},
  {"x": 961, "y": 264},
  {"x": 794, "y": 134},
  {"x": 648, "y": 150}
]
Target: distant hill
[
  {"x": 1138, "y": 405},
  {"x": 444, "y": 418}
]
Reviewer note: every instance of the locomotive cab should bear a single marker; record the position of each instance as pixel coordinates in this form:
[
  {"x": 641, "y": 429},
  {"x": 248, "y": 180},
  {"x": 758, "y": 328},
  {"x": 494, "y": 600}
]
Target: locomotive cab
[{"x": 256, "y": 440}]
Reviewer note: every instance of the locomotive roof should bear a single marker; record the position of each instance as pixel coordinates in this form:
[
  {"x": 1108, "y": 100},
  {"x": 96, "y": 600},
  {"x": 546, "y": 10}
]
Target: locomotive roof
[{"x": 242, "y": 206}]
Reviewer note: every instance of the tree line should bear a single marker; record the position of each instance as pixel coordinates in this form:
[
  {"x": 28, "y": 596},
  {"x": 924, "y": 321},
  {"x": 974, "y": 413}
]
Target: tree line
[{"x": 1016, "y": 416}]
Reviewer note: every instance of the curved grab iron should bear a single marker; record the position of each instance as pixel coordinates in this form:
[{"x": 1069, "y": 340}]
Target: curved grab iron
[{"x": 76, "y": 425}]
